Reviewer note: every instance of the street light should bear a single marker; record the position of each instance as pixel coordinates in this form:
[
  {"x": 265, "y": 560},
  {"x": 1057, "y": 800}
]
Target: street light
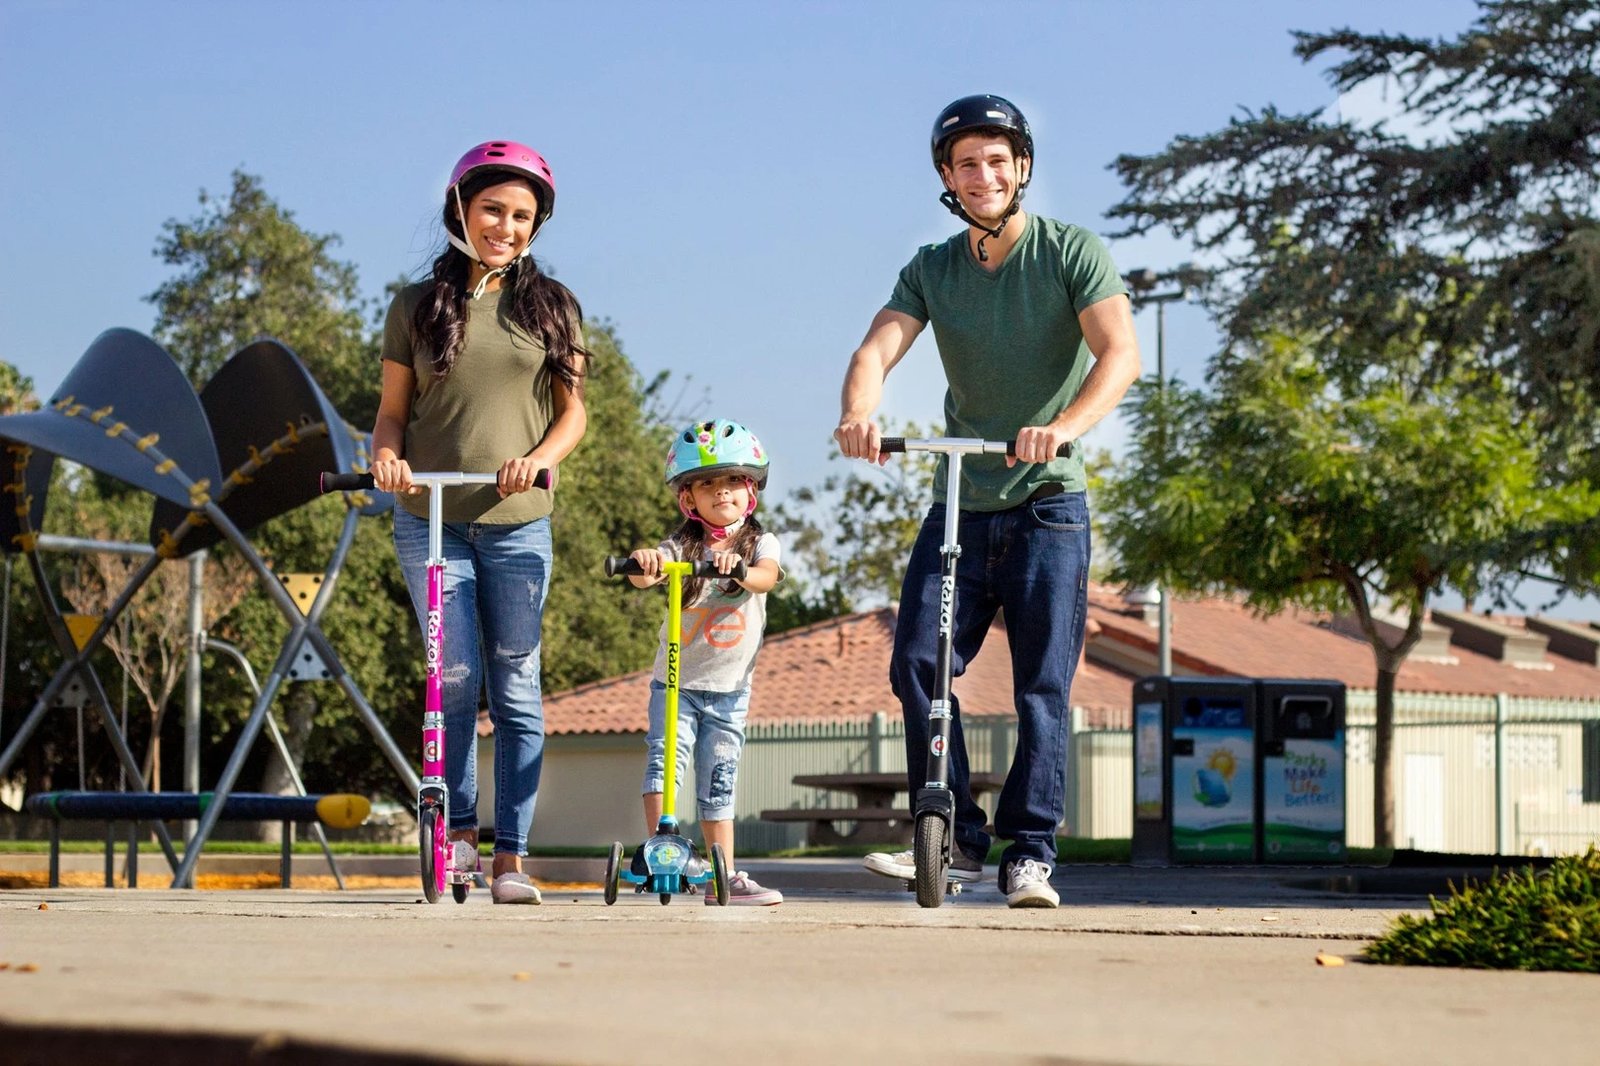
[{"x": 1142, "y": 285}]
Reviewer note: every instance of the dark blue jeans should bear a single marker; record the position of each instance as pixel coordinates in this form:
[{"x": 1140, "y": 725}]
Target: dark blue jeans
[{"x": 1032, "y": 563}]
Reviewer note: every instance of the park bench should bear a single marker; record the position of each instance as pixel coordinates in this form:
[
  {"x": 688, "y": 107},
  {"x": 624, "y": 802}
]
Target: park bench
[
  {"x": 339, "y": 810},
  {"x": 874, "y": 816}
]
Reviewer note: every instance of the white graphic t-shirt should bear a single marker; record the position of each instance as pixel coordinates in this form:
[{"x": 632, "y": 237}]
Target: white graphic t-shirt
[{"x": 721, "y": 630}]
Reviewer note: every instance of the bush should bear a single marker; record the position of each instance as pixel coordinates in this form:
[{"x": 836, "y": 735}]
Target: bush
[{"x": 1524, "y": 921}]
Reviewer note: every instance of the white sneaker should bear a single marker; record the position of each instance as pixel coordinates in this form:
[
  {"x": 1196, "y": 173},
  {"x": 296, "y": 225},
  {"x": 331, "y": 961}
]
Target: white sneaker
[
  {"x": 903, "y": 866},
  {"x": 1028, "y": 885}
]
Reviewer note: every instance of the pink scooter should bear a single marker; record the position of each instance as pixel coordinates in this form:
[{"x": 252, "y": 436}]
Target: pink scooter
[{"x": 433, "y": 796}]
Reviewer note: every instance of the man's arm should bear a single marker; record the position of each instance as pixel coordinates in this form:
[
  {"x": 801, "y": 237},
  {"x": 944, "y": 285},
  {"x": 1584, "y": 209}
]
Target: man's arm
[
  {"x": 1108, "y": 331},
  {"x": 887, "y": 341}
]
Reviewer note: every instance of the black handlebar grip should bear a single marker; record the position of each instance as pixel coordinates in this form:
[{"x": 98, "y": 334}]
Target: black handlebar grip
[
  {"x": 344, "y": 482},
  {"x": 897, "y": 445},
  {"x": 624, "y": 565},
  {"x": 1063, "y": 452},
  {"x": 330, "y": 482},
  {"x": 621, "y": 564}
]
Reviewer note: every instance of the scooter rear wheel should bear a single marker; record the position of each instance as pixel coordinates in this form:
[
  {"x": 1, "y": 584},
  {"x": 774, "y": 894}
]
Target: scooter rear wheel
[
  {"x": 431, "y": 845},
  {"x": 459, "y": 891},
  {"x": 931, "y": 858},
  {"x": 613, "y": 872}
]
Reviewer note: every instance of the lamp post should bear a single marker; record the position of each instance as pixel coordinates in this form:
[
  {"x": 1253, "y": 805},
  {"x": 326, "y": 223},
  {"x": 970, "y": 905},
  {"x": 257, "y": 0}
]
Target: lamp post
[{"x": 1142, "y": 285}]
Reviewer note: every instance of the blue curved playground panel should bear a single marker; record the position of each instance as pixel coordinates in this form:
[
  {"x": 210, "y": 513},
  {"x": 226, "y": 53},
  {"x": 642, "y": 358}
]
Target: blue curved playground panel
[
  {"x": 124, "y": 403},
  {"x": 275, "y": 427}
]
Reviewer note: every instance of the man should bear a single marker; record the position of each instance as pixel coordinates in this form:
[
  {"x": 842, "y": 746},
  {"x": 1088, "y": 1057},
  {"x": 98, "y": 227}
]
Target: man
[{"x": 1035, "y": 333}]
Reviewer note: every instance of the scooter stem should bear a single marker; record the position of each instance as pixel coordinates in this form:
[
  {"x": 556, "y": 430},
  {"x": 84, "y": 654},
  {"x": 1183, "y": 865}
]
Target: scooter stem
[{"x": 674, "y": 572}]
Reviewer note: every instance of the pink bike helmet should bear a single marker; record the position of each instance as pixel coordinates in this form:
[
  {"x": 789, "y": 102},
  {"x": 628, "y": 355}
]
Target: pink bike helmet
[{"x": 513, "y": 158}]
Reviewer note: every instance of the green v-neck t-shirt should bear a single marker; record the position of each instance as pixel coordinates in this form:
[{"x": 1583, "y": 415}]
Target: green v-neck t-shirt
[
  {"x": 494, "y": 405},
  {"x": 1012, "y": 348}
]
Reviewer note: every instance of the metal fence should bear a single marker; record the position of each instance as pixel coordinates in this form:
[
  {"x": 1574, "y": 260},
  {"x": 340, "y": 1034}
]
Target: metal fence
[{"x": 1477, "y": 774}]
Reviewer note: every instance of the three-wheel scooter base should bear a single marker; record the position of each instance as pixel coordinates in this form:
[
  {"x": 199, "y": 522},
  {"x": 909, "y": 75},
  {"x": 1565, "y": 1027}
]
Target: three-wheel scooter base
[{"x": 672, "y": 867}]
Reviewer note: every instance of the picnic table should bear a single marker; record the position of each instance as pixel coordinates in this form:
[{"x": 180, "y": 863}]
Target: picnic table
[{"x": 873, "y": 816}]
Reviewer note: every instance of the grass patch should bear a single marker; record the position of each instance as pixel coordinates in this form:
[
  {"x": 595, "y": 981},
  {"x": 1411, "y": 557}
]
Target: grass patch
[{"x": 1549, "y": 920}]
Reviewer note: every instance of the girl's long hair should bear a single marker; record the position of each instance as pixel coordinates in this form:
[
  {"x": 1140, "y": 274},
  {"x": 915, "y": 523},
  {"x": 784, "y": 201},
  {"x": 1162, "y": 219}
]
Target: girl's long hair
[
  {"x": 690, "y": 541},
  {"x": 536, "y": 302}
]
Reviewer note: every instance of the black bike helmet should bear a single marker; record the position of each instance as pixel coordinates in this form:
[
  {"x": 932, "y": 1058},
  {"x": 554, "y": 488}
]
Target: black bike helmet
[
  {"x": 971, "y": 114},
  {"x": 984, "y": 111}
]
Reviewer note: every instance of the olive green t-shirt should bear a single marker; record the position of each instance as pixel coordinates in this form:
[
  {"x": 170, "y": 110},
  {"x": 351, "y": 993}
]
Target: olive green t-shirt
[
  {"x": 1013, "y": 351},
  {"x": 494, "y": 405}
]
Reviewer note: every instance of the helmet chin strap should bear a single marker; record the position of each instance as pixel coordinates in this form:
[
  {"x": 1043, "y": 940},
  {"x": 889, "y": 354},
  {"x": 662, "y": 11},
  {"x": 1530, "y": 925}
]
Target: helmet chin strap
[{"x": 953, "y": 202}]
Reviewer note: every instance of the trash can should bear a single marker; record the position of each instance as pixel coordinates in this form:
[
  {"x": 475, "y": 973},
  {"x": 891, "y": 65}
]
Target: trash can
[
  {"x": 1194, "y": 773},
  {"x": 1301, "y": 770}
]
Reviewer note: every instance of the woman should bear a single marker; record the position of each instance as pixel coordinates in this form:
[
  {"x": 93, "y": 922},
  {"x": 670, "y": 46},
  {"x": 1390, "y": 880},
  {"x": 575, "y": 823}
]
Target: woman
[{"x": 483, "y": 368}]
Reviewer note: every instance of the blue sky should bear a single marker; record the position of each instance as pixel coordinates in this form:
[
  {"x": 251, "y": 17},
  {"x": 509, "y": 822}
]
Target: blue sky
[{"x": 738, "y": 183}]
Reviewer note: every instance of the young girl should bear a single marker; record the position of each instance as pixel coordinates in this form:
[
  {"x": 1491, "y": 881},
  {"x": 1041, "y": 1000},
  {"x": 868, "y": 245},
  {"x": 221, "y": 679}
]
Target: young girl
[
  {"x": 716, "y": 469},
  {"x": 483, "y": 367}
]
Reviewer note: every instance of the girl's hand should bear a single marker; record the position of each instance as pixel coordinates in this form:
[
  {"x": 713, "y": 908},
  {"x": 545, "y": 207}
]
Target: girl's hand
[
  {"x": 516, "y": 475},
  {"x": 726, "y": 561},
  {"x": 393, "y": 475},
  {"x": 649, "y": 560}
]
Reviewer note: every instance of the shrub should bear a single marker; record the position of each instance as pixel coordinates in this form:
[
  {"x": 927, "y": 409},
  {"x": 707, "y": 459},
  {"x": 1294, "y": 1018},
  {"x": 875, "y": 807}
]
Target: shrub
[{"x": 1523, "y": 921}]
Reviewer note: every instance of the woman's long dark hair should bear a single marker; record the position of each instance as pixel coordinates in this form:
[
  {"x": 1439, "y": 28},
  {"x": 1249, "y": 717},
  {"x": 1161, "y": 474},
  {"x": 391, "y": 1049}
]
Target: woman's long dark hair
[
  {"x": 690, "y": 540},
  {"x": 536, "y": 302}
]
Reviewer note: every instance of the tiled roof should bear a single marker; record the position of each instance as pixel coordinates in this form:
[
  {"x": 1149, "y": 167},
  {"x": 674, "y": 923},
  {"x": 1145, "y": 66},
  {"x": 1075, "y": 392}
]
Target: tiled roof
[
  {"x": 1220, "y": 637},
  {"x": 838, "y": 670}
]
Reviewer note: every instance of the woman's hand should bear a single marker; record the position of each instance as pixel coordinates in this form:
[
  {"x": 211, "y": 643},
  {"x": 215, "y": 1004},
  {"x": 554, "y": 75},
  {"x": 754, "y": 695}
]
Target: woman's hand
[
  {"x": 516, "y": 475},
  {"x": 393, "y": 475}
]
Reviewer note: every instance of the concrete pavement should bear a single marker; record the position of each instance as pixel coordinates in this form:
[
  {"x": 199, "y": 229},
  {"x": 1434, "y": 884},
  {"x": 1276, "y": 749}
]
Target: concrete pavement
[{"x": 1176, "y": 966}]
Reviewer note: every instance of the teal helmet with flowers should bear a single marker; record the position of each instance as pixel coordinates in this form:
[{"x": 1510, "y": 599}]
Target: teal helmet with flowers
[{"x": 720, "y": 446}]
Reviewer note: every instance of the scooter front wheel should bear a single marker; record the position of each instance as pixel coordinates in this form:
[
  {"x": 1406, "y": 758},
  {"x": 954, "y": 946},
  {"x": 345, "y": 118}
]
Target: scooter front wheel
[
  {"x": 613, "y": 872},
  {"x": 432, "y": 847},
  {"x": 931, "y": 857},
  {"x": 458, "y": 891}
]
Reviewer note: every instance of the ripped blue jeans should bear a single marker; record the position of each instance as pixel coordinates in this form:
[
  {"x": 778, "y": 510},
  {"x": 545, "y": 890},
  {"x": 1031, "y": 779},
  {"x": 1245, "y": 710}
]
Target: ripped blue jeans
[
  {"x": 711, "y": 726},
  {"x": 495, "y": 581}
]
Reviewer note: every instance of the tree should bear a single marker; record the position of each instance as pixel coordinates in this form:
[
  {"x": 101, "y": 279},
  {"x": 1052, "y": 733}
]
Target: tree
[
  {"x": 609, "y": 501},
  {"x": 855, "y": 550},
  {"x": 1291, "y": 487},
  {"x": 1443, "y": 283},
  {"x": 16, "y": 391},
  {"x": 246, "y": 269},
  {"x": 152, "y": 646},
  {"x": 1474, "y": 233}
]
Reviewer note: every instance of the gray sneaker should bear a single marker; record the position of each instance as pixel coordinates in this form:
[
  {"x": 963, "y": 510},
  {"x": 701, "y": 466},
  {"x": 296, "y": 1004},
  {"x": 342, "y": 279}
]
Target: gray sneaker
[
  {"x": 743, "y": 891},
  {"x": 902, "y": 865},
  {"x": 1028, "y": 884}
]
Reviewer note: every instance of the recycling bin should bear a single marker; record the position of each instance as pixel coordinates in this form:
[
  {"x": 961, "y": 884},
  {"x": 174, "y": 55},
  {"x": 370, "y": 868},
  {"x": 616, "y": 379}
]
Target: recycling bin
[
  {"x": 1301, "y": 770},
  {"x": 1194, "y": 773}
]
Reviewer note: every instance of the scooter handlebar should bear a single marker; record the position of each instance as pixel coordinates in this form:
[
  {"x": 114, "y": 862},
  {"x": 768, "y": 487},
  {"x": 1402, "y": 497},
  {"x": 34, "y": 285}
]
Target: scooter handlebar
[
  {"x": 624, "y": 566},
  {"x": 897, "y": 445},
  {"x": 332, "y": 482}
]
